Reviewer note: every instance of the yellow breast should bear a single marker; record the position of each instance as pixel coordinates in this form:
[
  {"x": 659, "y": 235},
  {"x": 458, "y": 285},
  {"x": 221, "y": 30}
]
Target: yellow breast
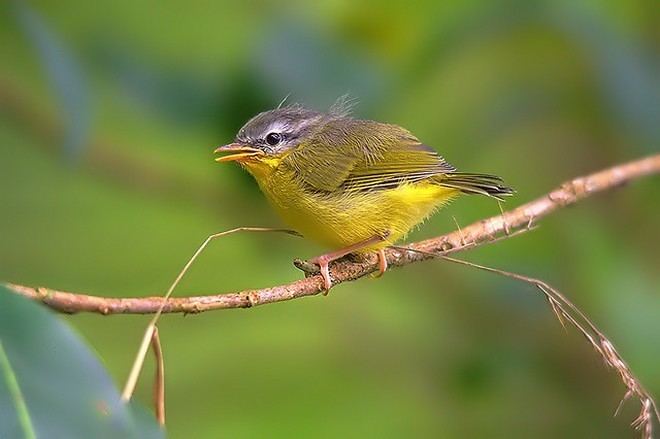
[{"x": 336, "y": 220}]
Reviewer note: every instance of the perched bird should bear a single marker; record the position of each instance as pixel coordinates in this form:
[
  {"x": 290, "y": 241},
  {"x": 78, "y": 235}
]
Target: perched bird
[{"x": 351, "y": 185}]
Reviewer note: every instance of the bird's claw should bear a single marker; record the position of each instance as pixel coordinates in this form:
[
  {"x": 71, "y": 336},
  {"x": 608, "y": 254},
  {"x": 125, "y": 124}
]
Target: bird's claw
[
  {"x": 324, "y": 268},
  {"x": 382, "y": 263},
  {"x": 327, "y": 281}
]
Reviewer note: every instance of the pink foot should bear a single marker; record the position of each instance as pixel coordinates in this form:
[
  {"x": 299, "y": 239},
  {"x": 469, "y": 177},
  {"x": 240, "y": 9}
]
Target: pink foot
[
  {"x": 323, "y": 260},
  {"x": 323, "y": 264}
]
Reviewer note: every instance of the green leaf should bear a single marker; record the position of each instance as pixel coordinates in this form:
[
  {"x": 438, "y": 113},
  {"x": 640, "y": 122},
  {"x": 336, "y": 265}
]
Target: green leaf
[{"x": 52, "y": 385}]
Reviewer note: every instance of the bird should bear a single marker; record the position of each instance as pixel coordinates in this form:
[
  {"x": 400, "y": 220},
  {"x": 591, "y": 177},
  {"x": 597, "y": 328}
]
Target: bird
[{"x": 351, "y": 185}]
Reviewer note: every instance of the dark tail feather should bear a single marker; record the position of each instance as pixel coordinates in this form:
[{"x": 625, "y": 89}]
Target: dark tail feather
[{"x": 483, "y": 184}]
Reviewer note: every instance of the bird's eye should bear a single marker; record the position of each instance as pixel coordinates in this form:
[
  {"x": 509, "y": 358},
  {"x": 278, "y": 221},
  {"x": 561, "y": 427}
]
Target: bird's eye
[{"x": 273, "y": 138}]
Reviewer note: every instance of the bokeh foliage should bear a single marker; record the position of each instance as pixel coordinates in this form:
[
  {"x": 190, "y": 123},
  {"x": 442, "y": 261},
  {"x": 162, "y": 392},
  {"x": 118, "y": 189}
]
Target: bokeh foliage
[{"x": 535, "y": 91}]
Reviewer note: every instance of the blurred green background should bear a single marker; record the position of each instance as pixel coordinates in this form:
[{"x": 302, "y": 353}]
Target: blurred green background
[{"x": 108, "y": 118}]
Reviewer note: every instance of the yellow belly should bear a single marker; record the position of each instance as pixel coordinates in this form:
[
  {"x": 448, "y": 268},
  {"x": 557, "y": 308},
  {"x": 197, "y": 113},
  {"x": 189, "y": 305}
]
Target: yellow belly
[{"x": 339, "y": 220}]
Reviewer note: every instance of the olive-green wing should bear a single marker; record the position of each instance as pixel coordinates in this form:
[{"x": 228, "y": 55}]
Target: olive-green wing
[{"x": 364, "y": 155}]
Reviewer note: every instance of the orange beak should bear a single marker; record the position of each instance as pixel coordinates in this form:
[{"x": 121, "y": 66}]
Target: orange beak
[{"x": 237, "y": 152}]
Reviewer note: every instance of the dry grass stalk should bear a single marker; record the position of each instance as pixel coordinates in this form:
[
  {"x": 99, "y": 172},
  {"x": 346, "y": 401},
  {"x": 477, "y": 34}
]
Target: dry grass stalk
[{"x": 566, "y": 311}]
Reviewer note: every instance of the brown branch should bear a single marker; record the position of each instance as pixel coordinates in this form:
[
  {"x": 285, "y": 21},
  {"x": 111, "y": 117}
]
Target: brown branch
[{"x": 517, "y": 220}]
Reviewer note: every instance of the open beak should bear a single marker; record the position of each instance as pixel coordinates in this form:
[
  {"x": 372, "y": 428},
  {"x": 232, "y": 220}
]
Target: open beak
[{"x": 236, "y": 152}]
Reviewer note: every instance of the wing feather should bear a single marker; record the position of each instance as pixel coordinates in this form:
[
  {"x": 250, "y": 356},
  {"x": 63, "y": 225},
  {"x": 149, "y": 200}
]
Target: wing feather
[{"x": 363, "y": 155}]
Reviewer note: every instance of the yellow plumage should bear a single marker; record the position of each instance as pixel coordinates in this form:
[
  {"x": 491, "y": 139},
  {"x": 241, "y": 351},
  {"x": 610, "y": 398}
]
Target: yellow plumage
[
  {"x": 350, "y": 185},
  {"x": 337, "y": 220}
]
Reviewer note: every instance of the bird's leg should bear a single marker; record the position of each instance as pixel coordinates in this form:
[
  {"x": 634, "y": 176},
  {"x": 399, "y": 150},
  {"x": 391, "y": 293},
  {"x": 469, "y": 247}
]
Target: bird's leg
[{"x": 324, "y": 260}]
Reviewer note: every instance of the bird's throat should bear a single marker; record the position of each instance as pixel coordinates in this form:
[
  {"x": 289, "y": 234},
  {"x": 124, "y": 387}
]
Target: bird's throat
[{"x": 262, "y": 168}]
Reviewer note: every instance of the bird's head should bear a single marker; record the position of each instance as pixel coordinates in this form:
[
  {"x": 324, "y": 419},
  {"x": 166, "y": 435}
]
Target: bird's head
[{"x": 268, "y": 136}]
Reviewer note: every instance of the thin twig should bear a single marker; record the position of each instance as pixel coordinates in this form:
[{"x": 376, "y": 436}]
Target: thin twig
[
  {"x": 519, "y": 219},
  {"x": 159, "y": 382}
]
